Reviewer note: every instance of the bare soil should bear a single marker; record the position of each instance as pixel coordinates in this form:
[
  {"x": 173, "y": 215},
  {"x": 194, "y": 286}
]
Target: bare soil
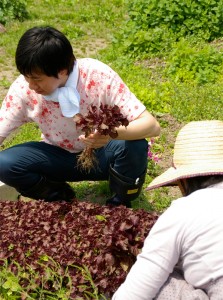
[{"x": 170, "y": 132}]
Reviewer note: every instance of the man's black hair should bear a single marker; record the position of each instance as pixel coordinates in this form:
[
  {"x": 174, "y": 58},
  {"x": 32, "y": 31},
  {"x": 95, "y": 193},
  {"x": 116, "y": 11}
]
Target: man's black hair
[{"x": 44, "y": 50}]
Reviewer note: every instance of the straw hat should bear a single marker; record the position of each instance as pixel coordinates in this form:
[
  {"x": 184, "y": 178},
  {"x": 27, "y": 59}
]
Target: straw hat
[{"x": 198, "y": 151}]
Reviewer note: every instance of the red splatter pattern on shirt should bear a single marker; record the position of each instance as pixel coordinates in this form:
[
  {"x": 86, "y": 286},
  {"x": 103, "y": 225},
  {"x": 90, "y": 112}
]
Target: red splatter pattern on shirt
[{"x": 91, "y": 84}]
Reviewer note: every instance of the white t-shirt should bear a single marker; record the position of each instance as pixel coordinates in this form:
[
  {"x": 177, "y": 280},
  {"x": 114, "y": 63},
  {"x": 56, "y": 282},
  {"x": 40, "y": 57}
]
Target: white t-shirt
[
  {"x": 97, "y": 83},
  {"x": 190, "y": 232}
]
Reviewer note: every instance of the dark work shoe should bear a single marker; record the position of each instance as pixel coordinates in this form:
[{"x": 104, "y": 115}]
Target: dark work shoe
[
  {"x": 65, "y": 193},
  {"x": 116, "y": 201},
  {"x": 49, "y": 191}
]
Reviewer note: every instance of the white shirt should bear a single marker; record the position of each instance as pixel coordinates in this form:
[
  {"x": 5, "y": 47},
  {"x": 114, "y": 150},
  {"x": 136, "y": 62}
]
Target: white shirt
[{"x": 189, "y": 231}]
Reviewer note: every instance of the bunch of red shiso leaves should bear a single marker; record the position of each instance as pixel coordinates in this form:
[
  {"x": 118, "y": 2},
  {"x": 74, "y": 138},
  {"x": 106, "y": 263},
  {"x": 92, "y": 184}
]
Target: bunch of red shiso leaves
[
  {"x": 104, "y": 239},
  {"x": 105, "y": 120}
]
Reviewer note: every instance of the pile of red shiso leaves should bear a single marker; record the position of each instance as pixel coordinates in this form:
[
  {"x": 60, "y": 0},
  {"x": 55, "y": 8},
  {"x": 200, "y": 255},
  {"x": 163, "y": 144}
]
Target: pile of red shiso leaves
[
  {"x": 104, "y": 120},
  {"x": 104, "y": 239}
]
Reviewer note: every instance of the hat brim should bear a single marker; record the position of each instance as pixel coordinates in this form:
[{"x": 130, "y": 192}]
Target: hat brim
[{"x": 172, "y": 175}]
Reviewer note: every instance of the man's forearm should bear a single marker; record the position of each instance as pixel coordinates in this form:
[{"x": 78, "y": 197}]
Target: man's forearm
[{"x": 145, "y": 126}]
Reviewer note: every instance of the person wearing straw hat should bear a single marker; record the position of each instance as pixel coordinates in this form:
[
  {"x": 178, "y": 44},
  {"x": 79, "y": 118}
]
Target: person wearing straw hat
[{"x": 182, "y": 257}]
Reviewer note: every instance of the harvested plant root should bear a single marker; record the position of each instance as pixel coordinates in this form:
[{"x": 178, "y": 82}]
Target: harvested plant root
[{"x": 87, "y": 160}]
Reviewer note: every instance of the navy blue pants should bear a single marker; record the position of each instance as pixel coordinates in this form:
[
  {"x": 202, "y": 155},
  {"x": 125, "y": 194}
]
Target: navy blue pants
[{"x": 23, "y": 165}]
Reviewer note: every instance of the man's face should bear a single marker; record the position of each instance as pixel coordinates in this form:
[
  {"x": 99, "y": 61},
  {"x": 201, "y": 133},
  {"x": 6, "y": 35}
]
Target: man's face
[{"x": 46, "y": 85}]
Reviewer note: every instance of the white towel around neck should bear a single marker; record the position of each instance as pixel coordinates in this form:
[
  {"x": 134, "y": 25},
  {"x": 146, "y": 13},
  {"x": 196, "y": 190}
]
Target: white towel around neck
[{"x": 67, "y": 96}]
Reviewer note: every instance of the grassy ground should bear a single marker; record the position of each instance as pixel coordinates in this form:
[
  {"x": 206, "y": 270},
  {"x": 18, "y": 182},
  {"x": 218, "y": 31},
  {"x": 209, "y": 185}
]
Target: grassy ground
[{"x": 90, "y": 26}]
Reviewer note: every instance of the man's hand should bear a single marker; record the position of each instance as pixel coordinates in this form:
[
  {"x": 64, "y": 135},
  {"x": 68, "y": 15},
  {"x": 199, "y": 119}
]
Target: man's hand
[{"x": 95, "y": 140}]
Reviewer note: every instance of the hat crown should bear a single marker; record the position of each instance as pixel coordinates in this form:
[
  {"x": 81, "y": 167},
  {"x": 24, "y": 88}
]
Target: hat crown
[{"x": 199, "y": 143}]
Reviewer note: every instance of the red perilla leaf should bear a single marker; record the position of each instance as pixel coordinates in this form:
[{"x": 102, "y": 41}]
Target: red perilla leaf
[{"x": 104, "y": 120}]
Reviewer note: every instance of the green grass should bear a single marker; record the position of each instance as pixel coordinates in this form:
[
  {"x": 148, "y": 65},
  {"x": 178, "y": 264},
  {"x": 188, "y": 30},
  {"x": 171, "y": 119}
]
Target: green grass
[{"x": 11, "y": 288}]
